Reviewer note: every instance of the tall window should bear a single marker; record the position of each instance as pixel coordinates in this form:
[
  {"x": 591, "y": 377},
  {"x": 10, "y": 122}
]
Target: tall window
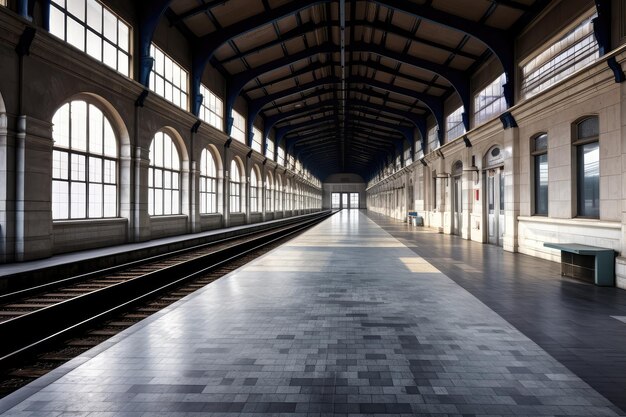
[
  {"x": 163, "y": 176},
  {"x": 254, "y": 192},
  {"x": 257, "y": 139},
  {"x": 238, "y": 131},
  {"x": 433, "y": 139},
  {"x": 490, "y": 102},
  {"x": 235, "y": 188},
  {"x": 208, "y": 183},
  {"x": 168, "y": 79},
  {"x": 288, "y": 196},
  {"x": 269, "y": 151},
  {"x": 269, "y": 206},
  {"x": 408, "y": 156},
  {"x": 587, "y": 167},
  {"x": 84, "y": 163},
  {"x": 540, "y": 157},
  {"x": 212, "y": 108},
  {"x": 575, "y": 50},
  {"x": 454, "y": 124},
  {"x": 94, "y": 29},
  {"x": 280, "y": 156}
]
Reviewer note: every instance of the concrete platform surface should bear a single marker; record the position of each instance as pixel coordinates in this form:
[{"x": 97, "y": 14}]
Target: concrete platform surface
[{"x": 342, "y": 320}]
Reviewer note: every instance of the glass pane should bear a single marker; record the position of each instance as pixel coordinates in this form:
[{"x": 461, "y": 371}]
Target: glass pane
[
  {"x": 95, "y": 169},
  {"x": 167, "y": 202},
  {"x": 109, "y": 56},
  {"x": 75, "y": 34},
  {"x": 123, "y": 63},
  {"x": 60, "y": 200},
  {"x": 95, "y": 130},
  {"x": 79, "y": 200},
  {"x": 95, "y": 200},
  {"x": 77, "y": 8},
  {"x": 588, "y": 128},
  {"x": 60, "y": 167},
  {"x": 123, "y": 35},
  {"x": 110, "y": 172},
  {"x": 79, "y": 125},
  {"x": 61, "y": 127},
  {"x": 57, "y": 23},
  {"x": 541, "y": 142},
  {"x": 110, "y": 201},
  {"x": 589, "y": 180},
  {"x": 541, "y": 184},
  {"x": 94, "y": 15},
  {"x": 110, "y": 26},
  {"x": 110, "y": 143},
  {"x": 94, "y": 45},
  {"x": 78, "y": 167},
  {"x": 158, "y": 201}
]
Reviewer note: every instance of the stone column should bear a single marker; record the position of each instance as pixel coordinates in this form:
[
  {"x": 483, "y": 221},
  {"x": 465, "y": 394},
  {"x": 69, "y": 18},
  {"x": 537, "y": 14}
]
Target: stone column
[
  {"x": 33, "y": 189},
  {"x": 467, "y": 182},
  {"x": 263, "y": 195},
  {"x": 194, "y": 187},
  {"x": 141, "y": 228},
  {"x": 247, "y": 175},
  {"x": 7, "y": 191},
  {"x": 225, "y": 187},
  {"x": 511, "y": 188},
  {"x": 620, "y": 261},
  {"x": 441, "y": 195}
]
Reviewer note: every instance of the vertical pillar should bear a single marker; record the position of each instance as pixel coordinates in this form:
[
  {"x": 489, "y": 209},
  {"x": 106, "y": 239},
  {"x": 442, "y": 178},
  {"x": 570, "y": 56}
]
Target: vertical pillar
[
  {"x": 194, "y": 209},
  {"x": 247, "y": 175},
  {"x": 7, "y": 191},
  {"x": 620, "y": 261},
  {"x": 225, "y": 187},
  {"x": 33, "y": 189},
  {"x": 441, "y": 195},
  {"x": 511, "y": 188},
  {"x": 263, "y": 195},
  {"x": 141, "y": 219},
  {"x": 467, "y": 185}
]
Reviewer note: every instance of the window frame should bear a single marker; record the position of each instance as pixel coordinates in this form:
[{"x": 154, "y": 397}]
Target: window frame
[
  {"x": 212, "y": 108},
  {"x": 157, "y": 79},
  {"x": 208, "y": 196},
  {"x": 87, "y": 28},
  {"x": 87, "y": 154},
  {"x": 536, "y": 154},
  {"x": 578, "y": 144},
  {"x": 152, "y": 176},
  {"x": 254, "y": 192},
  {"x": 235, "y": 185}
]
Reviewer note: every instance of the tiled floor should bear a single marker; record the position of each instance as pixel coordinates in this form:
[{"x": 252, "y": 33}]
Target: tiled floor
[
  {"x": 342, "y": 320},
  {"x": 579, "y": 324}
]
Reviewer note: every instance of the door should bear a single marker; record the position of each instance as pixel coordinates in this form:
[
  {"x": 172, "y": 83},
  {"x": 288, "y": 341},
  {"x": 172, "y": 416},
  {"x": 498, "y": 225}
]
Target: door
[
  {"x": 457, "y": 205},
  {"x": 354, "y": 200},
  {"x": 495, "y": 205},
  {"x": 344, "y": 201}
]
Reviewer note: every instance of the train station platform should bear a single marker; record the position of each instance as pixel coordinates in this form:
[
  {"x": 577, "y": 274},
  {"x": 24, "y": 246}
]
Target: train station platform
[{"x": 343, "y": 319}]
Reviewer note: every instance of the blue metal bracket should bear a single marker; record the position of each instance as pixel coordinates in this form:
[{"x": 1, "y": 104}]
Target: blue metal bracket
[
  {"x": 150, "y": 13},
  {"x": 618, "y": 72},
  {"x": 602, "y": 26},
  {"x": 507, "y": 120}
]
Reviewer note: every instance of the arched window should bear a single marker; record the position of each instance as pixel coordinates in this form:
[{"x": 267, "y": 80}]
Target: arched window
[
  {"x": 288, "y": 196},
  {"x": 163, "y": 176},
  {"x": 254, "y": 192},
  {"x": 586, "y": 142},
  {"x": 84, "y": 163},
  {"x": 208, "y": 183},
  {"x": 235, "y": 188},
  {"x": 269, "y": 206},
  {"x": 539, "y": 146}
]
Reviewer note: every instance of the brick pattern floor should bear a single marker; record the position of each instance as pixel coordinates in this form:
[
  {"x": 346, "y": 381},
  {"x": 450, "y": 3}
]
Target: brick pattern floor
[{"x": 342, "y": 320}]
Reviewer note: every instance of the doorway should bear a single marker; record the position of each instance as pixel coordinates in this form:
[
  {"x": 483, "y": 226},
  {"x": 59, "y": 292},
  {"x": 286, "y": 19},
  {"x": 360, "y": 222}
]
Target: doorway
[
  {"x": 354, "y": 200},
  {"x": 495, "y": 205},
  {"x": 494, "y": 193},
  {"x": 457, "y": 198}
]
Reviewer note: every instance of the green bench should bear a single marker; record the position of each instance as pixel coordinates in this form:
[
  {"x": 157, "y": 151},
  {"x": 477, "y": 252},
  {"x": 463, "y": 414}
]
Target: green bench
[{"x": 587, "y": 262}]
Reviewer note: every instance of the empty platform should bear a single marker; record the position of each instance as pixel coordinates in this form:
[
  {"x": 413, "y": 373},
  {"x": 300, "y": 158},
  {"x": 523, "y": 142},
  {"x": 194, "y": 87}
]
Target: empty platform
[{"x": 343, "y": 319}]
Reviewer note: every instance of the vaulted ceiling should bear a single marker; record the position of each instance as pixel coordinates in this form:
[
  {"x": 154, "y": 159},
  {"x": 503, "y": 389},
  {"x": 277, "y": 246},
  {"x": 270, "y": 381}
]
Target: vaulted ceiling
[{"x": 346, "y": 83}]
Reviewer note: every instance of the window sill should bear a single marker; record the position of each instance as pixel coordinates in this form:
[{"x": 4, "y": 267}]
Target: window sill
[
  {"x": 207, "y": 215},
  {"x": 107, "y": 220},
  {"x": 165, "y": 217},
  {"x": 576, "y": 221}
]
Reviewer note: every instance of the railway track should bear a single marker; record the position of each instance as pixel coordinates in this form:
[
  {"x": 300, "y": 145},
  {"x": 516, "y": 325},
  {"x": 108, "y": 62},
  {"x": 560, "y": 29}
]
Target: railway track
[{"x": 35, "y": 318}]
